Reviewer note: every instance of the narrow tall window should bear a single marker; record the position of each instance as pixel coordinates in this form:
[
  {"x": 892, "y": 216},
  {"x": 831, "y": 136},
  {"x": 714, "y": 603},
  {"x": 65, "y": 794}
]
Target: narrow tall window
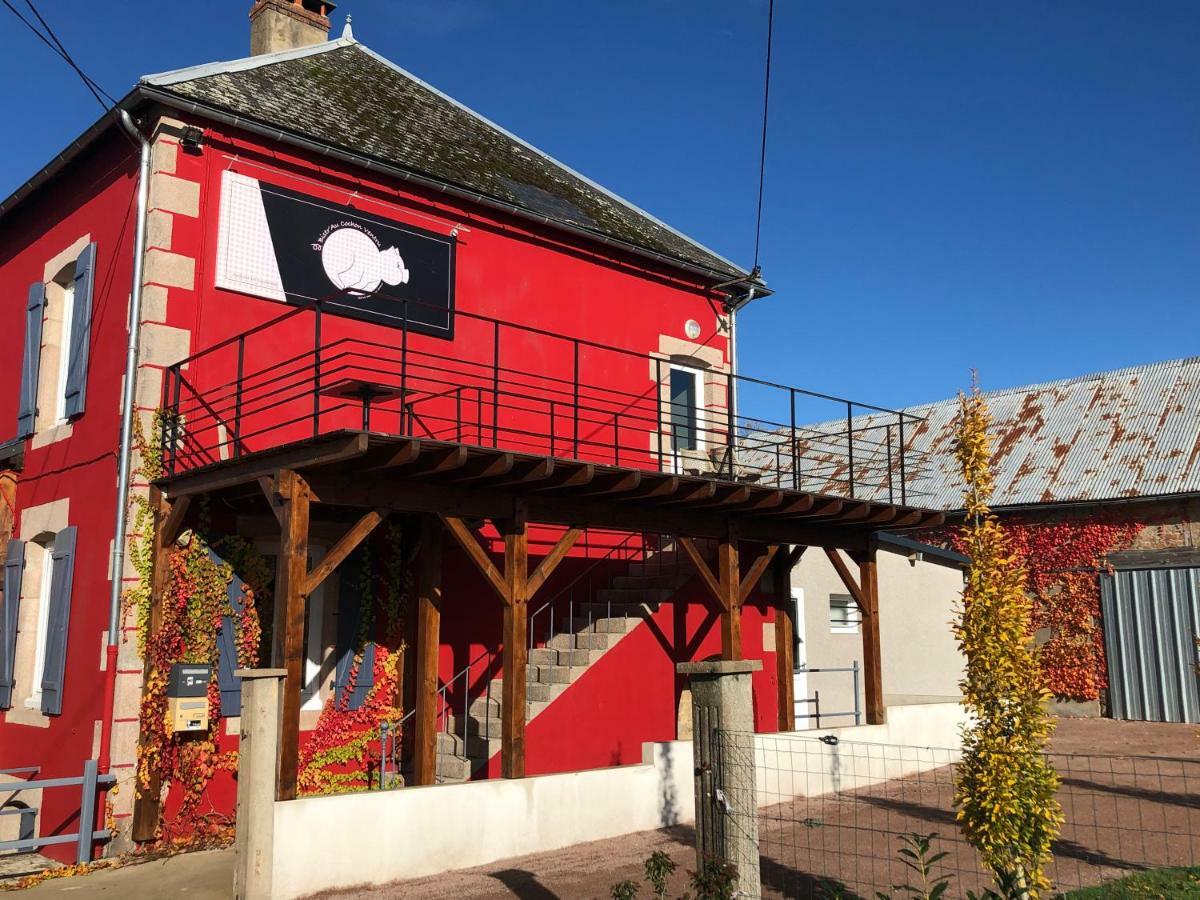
[
  {"x": 34, "y": 701},
  {"x": 844, "y": 617},
  {"x": 684, "y": 396},
  {"x": 64, "y": 351}
]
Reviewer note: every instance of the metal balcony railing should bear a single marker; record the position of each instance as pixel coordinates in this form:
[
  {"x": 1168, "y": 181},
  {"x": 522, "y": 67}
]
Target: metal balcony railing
[{"x": 498, "y": 384}]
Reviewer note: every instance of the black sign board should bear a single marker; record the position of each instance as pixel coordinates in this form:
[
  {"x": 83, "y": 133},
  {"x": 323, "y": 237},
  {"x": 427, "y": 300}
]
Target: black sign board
[
  {"x": 189, "y": 680},
  {"x": 282, "y": 244}
]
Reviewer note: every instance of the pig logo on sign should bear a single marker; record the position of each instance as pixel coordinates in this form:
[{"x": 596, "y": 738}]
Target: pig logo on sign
[{"x": 354, "y": 261}]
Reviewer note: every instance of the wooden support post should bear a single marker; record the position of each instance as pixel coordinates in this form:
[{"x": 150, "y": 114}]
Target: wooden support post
[
  {"x": 429, "y": 617},
  {"x": 785, "y": 637},
  {"x": 291, "y": 577},
  {"x": 729, "y": 578},
  {"x": 868, "y": 579},
  {"x": 167, "y": 523},
  {"x": 516, "y": 645}
]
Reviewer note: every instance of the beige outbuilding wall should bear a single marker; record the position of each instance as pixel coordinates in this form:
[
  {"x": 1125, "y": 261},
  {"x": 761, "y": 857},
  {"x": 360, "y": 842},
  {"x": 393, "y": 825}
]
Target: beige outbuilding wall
[{"x": 918, "y": 600}]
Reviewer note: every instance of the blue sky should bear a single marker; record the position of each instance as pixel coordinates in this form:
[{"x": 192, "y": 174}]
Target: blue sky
[{"x": 1007, "y": 186}]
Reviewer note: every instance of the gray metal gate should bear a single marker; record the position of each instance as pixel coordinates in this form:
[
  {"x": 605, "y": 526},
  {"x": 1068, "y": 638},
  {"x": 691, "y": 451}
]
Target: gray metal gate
[{"x": 1150, "y": 636}]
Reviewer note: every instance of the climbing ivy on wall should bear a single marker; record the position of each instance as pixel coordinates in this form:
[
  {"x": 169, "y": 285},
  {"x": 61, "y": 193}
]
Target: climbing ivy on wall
[
  {"x": 1064, "y": 561},
  {"x": 336, "y": 756}
]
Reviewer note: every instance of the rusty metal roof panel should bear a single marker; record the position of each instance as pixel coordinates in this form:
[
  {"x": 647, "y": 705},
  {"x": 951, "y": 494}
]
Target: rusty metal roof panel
[
  {"x": 1127, "y": 433},
  {"x": 1110, "y": 435}
]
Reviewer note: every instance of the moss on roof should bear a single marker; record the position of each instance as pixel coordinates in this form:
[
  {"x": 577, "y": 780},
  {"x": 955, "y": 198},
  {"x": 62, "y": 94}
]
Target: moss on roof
[{"x": 349, "y": 98}]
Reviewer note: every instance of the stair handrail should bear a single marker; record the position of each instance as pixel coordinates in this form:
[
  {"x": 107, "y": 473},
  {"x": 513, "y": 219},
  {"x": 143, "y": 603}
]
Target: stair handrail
[{"x": 574, "y": 581}]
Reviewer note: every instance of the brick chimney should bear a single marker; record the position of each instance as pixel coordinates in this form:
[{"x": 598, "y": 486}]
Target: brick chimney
[{"x": 287, "y": 24}]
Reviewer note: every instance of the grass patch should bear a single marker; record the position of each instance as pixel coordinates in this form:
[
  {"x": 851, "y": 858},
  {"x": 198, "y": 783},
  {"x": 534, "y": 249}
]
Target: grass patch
[{"x": 1161, "y": 884}]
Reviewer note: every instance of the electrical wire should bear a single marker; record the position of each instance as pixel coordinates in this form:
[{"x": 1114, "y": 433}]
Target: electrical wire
[
  {"x": 88, "y": 81},
  {"x": 61, "y": 51},
  {"x": 762, "y": 159}
]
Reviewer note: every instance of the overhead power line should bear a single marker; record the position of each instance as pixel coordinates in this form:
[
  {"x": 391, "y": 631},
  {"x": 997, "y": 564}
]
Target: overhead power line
[
  {"x": 50, "y": 39},
  {"x": 762, "y": 158}
]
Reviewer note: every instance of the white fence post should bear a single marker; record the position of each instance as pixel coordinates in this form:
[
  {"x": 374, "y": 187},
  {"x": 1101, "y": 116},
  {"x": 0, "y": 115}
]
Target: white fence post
[{"x": 258, "y": 760}]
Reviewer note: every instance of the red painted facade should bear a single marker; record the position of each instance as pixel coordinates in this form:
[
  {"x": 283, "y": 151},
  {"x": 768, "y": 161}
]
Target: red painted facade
[{"x": 507, "y": 268}]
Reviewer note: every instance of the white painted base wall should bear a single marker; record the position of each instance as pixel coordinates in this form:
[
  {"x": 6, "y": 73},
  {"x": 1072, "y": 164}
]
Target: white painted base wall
[{"x": 377, "y": 837}]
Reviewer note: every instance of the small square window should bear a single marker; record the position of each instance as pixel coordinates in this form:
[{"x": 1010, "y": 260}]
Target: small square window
[{"x": 844, "y": 615}]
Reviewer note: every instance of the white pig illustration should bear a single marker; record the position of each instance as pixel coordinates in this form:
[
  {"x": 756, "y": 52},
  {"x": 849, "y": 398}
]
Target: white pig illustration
[{"x": 353, "y": 262}]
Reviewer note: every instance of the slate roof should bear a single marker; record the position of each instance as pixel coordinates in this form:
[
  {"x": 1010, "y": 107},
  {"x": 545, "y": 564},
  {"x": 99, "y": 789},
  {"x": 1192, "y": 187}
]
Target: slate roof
[
  {"x": 345, "y": 95},
  {"x": 1114, "y": 435}
]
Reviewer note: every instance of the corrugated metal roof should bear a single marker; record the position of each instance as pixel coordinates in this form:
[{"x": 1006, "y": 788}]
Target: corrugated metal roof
[{"x": 1111, "y": 435}]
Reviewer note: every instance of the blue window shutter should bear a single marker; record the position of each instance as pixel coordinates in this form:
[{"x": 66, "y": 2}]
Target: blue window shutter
[
  {"x": 31, "y": 360},
  {"x": 350, "y": 603},
  {"x": 14, "y": 565},
  {"x": 81, "y": 331},
  {"x": 228, "y": 683},
  {"x": 59, "y": 620}
]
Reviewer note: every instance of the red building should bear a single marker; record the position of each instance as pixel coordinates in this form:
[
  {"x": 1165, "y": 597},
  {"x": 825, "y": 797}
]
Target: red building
[{"x": 350, "y": 276}]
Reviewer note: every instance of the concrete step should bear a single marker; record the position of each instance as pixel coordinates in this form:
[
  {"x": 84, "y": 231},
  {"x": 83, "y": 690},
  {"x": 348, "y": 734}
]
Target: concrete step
[
  {"x": 452, "y": 768},
  {"x": 667, "y": 581},
  {"x": 542, "y": 656},
  {"x": 611, "y": 626},
  {"x": 474, "y": 726},
  {"x": 544, "y": 693},
  {"x": 630, "y": 597},
  {"x": 488, "y": 707},
  {"x": 593, "y": 640},
  {"x": 556, "y": 674}
]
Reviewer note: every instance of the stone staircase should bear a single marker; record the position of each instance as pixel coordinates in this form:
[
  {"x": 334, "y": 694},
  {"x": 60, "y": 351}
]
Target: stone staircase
[{"x": 465, "y": 744}]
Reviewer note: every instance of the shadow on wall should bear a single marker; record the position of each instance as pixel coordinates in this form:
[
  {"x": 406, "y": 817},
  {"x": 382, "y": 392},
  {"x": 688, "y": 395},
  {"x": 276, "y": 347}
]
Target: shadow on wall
[{"x": 668, "y": 801}]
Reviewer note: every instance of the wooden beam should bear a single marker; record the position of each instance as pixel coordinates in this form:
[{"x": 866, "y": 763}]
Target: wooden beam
[
  {"x": 467, "y": 540},
  {"x": 757, "y": 568},
  {"x": 729, "y": 577},
  {"x": 439, "y": 460},
  {"x": 291, "y": 575},
  {"x": 702, "y": 569},
  {"x": 612, "y": 483},
  {"x": 267, "y": 484},
  {"x": 692, "y": 492},
  {"x": 246, "y": 471},
  {"x": 785, "y": 638},
  {"x": 527, "y": 472},
  {"x": 567, "y": 475},
  {"x": 843, "y": 571},
  {"x": 551, "y": 560},
  {"x": 658, "y": 487},
  {"x": 730, "y": 495},
  {"x": 484, "y": 467},
  {"x": 429, "y": 617},
  {"x": 173, "y": 524},
  {"x": 516, "y": 646},
  {"x": 146, "y": 807},
  {"x": 358, "y": 532},
  {"x": 872, "y": 649},
  {"x": 402, "y": 455}
]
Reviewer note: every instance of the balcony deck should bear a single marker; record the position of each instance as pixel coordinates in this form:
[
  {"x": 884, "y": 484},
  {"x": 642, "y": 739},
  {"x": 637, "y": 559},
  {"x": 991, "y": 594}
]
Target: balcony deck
[
  {"x": 292, "y": 421},
  {"x": 356, "y": 469}
]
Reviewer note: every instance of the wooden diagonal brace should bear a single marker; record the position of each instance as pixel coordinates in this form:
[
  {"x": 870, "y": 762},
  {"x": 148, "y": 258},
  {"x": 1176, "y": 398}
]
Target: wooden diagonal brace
[
  {"x": 757, "y": 568},
  {"x": 478, "y": 556},
  {"x": 551, "y": 560},
  {"x": 358, "y": 533},
  {"x": 847, "y": 579},
  {"x": 706, "y": 575}
]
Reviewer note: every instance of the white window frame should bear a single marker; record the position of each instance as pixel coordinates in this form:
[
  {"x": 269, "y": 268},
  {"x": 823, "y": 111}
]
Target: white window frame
[
  {"x": 853, "y": 627},
  {"x": 34, "y": 700},
  {"x": 676, "y": 458},
  {"x": 64, "y": 355}
]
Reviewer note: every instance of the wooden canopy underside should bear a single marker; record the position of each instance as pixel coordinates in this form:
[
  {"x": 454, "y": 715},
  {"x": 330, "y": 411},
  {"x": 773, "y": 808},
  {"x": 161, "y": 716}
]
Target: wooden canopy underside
[
  {"x": 402, "y": 474},
  {"x": 359, "y": 479}
]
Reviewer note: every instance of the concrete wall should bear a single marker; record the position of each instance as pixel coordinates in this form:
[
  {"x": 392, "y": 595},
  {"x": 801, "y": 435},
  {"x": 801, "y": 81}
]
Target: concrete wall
[
  {"x": 917, "y": 603},
  {"x": 372, "y": 838}
]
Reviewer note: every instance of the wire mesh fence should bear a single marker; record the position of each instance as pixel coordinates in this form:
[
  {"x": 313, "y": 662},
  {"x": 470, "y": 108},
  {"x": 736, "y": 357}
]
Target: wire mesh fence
[{"x": 832, "y": 815}]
